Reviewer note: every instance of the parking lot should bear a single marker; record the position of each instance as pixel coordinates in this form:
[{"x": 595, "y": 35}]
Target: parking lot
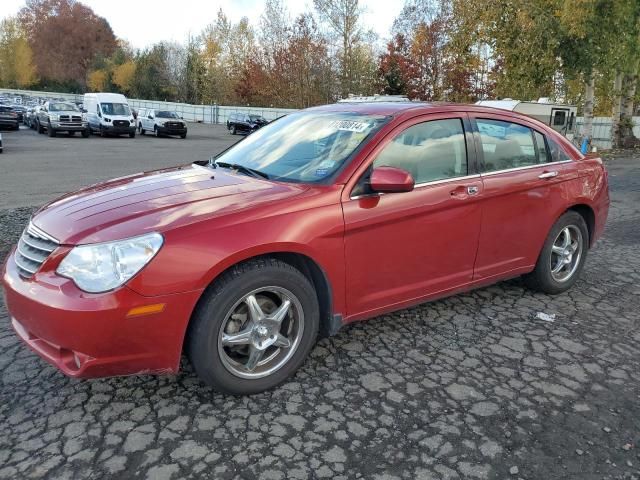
[{"x": 476, "y": 386}]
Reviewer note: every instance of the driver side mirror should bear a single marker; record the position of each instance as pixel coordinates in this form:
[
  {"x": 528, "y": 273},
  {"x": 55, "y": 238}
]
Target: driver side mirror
[
  {"x": 99, "y": 114},
  {"x": 150, "y": 117},
  {"x": 391, "y": 180}
]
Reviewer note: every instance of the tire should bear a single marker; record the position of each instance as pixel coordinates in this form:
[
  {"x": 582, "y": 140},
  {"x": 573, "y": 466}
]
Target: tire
[
  {"x": 86, "y": 133},
  {"x": 216, "y": 364},
  {"x": 233, "y": 130},
  {"x": 555, "y": 253},
  {"x": 51, "y": 131},
  {"x": 132, "y": 134},
  {"x": 140, "y": 129},
  {"x": 39, "y": 127},
  {"x": 184, "y": 135}
]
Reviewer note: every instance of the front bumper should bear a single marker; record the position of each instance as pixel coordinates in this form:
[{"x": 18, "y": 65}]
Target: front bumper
[
  {"x": 94, "y": 335},
  {"x": 70, "y": 126},
  {"x": 112, "y": 129},
  {"x": 172, "y": 130}
]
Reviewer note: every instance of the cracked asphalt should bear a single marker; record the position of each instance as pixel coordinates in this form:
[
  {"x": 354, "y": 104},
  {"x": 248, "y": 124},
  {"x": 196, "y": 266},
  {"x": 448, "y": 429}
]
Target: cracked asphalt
[{"x": 472, "y": 387}]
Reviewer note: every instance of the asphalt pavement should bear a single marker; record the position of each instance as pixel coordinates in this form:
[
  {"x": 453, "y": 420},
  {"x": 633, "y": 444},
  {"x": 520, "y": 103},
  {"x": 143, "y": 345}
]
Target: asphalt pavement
[{"x": 477, "y": 386}]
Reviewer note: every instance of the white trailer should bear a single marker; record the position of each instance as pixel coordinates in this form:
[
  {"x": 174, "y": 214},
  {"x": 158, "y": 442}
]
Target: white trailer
[{"x": 560, "y": 117}]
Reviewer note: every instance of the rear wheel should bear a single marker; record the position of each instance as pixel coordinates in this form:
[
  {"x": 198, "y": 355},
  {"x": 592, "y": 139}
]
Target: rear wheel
[
  {"x": 140, "y": 129},
  {"x": 39, "y": 127},
  {"x": 562, "y": 257},
  {"x": 254, "y": 327}
]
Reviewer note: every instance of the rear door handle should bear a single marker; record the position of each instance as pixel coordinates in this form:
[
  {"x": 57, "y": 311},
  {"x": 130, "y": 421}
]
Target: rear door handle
[{"x": 545, "y": 175}]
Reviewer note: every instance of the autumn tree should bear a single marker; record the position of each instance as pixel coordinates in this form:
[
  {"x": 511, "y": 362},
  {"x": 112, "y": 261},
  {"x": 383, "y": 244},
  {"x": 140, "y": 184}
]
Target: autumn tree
[
  {"x": 65, "y": 36},
  {"x": 396, "y": 68},
  {"x": 343, "y": 17},
  {"x": 16, "y": 58}
]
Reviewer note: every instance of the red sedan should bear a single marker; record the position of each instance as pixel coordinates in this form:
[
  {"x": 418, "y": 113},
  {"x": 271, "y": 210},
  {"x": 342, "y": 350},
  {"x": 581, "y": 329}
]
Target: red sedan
[{"x": 321, "y": 218}]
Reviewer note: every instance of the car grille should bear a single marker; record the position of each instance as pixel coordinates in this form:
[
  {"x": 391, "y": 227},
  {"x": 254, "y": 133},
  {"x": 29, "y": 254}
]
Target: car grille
[
  {"x": 120, "y": 123},
  {"x": 76, "y": 118},
  {"x": 173, "y": 125},
  {"x": 34, "y": 247}
]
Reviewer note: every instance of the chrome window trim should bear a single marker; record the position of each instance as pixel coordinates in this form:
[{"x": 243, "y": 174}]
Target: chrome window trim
[
  {"x": 446, "y": 180},
  {"x": 528, "y": 167}
]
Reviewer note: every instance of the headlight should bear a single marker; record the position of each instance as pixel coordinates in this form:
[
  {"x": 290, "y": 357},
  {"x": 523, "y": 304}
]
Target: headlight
[
  {"x": 161, "y": 123},
  {"x": 55, "y": 118},
  {"x": 104, "y": 266}
]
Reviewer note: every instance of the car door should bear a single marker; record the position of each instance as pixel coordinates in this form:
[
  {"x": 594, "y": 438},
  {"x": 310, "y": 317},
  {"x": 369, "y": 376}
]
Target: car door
[
  {"x": 149, "y": 120},
  {"x": 522, "y": 184},
  {"x": 401, "y": 248}
]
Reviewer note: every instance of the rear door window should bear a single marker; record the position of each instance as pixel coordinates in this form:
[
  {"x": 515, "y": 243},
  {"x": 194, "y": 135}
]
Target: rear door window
[
  {"x": 557, "y": 152},
  {"x": 543, "y": 151},
  {"x": 506, "y": 145}
]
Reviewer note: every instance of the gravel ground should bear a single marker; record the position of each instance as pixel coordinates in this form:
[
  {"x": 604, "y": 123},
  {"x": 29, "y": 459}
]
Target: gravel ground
[{"x": 471, "y": 387}]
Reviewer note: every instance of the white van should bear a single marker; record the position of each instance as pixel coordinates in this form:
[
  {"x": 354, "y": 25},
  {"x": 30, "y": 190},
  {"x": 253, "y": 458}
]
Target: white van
[{"x": 109, "y": 114}]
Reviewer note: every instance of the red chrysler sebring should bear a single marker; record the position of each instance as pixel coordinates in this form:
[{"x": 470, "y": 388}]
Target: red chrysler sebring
[{"x": 324, "y": 217}]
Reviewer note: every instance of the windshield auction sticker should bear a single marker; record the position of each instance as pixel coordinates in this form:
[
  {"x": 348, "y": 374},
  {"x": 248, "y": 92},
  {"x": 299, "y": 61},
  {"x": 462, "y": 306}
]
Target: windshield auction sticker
[{"x": 349, "y": 126}]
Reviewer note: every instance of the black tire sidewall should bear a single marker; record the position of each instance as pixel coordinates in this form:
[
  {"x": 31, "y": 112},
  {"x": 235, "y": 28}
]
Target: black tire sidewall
[
  {"x": 542, "y": 273},
  {"x": 203, "y": 335}
]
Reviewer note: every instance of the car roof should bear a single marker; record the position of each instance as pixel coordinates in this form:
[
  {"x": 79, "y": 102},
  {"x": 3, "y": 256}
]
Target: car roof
[{"x": 394, "y": 108}]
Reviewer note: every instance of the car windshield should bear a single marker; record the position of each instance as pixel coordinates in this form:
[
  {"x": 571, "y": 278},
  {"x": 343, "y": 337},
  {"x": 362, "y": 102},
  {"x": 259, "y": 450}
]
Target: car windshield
[
  {"x": 255, "y": 118},
  {"x": 303, "y": 147},
  {"x": 115, "y": 109},
  {"x": 164, "y": 114},
  {"x": 62, "y": 107}
]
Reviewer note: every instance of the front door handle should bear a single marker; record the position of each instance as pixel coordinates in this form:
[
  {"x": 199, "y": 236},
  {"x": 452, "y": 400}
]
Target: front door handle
[
  {"x": 465, "y": 191},
  {"x": 545, "y": 175}
]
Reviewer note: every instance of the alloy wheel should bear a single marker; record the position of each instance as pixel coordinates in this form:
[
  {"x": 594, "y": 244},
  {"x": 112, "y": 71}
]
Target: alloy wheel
[
  {"x": 566, "y": 253},
  {"x": 261, "y": 332}
]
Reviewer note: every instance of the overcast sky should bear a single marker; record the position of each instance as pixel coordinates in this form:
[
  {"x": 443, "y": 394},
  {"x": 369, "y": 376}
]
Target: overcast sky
[{"x": 149, "y": 21}]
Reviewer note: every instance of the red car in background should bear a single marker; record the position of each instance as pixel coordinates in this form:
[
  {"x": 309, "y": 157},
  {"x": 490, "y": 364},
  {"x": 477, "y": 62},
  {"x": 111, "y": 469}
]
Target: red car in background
[{"x": 324, "y": 217}]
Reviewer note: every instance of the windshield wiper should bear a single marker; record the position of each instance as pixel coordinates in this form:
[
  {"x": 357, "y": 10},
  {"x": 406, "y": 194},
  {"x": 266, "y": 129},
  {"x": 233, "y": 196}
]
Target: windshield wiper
[{"x": 241, "y": 168}]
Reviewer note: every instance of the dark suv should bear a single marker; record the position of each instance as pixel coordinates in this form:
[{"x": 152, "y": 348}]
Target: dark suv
[
  {"x": 245, "y": 123},
  {"x": 8, "y": 117}
]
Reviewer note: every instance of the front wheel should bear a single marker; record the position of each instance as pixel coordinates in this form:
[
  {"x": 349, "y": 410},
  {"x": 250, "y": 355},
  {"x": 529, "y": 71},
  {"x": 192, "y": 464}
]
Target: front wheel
[
  {"x": 562, "y": 257},
  {"x": 51, "y": 131},
  {"x": 254, "y": 327},
  {"x": 132, "y": 134},
  {"x": 140, "y": 129},
  {"x": 85, "y": 133}
]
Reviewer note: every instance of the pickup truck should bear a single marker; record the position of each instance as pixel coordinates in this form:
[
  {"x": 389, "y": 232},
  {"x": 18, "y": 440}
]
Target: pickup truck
[{"x": 61, "y": 116}]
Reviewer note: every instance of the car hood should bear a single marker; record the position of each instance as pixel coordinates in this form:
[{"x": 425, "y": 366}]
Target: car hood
[{"x": 154, "y": 201}]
